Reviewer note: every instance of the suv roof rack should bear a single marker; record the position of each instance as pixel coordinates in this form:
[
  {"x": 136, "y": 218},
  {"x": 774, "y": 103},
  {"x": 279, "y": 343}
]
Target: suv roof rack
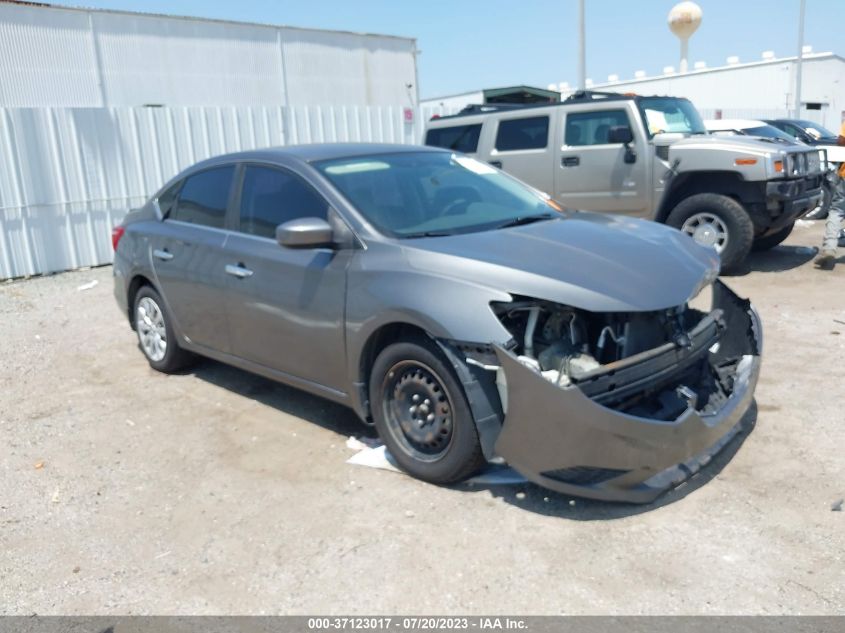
[
  {"x": 596, "y": 95},
  {"x": 579, "y": 96}
]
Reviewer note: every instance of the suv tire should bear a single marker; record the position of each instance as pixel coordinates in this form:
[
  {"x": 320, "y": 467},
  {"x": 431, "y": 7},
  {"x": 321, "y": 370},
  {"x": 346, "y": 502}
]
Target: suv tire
[
  {"x": 770, "y": 241},
  {"x": 422, "y": 415},
  {"x": 738, "y": 224}
]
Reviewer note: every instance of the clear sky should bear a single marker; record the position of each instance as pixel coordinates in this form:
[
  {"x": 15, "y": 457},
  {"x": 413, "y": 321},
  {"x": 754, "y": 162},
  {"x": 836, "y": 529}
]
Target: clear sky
[{"x": 473, "y": 44}]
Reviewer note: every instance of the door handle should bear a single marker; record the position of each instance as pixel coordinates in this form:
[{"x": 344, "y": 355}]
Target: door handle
[
  {"x": 239, "y": 271},
  {"x": 495, "y": 163},
  {"x": 163, "y": 255},
  {"x": 570, "y": 161}
]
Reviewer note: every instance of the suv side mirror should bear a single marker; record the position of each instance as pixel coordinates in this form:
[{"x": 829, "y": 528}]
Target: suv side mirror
[
  {"x": 305, "y": 233},
  {"x": 623, "y": 134},
  {"x": 620, "y": 134}
]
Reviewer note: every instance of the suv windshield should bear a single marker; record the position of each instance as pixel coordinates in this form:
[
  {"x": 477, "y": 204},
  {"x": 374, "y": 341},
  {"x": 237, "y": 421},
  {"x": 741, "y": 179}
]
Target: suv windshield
[
  {"x": 426, "y": 194},
  {"x": 669, "y": 114}
]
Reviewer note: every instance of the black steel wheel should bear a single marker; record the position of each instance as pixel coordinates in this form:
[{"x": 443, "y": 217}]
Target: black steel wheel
[
  {"x": 418, "y": 410},
  {"x": 422, "y": 415}
]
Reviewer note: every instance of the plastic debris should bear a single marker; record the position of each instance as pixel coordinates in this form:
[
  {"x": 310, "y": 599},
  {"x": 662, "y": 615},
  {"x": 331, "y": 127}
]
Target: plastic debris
[
  {"x": 39, "y": 465},
  {"x": 520, "y": 495},
  {"x": 410, "y": 514},
  {"x": 355, "y": 444},
  {"x": 379, "y": 457},
  {"x": 836, "y": 506},
  {"x": 88, "y": 286}
]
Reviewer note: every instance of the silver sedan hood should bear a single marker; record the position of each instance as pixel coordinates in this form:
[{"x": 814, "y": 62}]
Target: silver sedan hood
[{"x": 599, "y": 263}]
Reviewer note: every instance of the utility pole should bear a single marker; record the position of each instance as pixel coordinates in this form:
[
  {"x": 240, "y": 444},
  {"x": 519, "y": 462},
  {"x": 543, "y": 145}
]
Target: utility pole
[
  {"x": 582, "y": 48},
  {"x": 798, "y": 63}
]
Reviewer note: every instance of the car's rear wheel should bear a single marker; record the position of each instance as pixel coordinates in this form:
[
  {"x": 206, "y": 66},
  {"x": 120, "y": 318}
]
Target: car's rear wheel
[
  {"x": 422, "y": 415},
  {"x": 155, "y": 332},
  {"x": 716, "y": 221},
  {"x": 770, "y": 241}
]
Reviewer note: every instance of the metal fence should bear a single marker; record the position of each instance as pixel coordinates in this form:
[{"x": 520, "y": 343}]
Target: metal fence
[{"x": 67, "y": 175}]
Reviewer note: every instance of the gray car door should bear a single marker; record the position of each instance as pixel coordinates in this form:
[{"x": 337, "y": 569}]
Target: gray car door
[
  {"x": 285, "y": 305},
  {"x": 187, "y": 251}
]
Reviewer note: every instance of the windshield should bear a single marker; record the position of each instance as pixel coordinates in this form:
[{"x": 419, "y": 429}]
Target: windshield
[
  {"x": 769, "y": 131},
  {"x": 815, "y": 130},
  {"x": 670, "y": 114},
  {"x": 422, "y": 194}
]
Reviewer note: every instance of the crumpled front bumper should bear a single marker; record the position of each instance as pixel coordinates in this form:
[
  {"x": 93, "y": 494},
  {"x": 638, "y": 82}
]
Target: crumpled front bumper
[{"x": 565, "y": 441}]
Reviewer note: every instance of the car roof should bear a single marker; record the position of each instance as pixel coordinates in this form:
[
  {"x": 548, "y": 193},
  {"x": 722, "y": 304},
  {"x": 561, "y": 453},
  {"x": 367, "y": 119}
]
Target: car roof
[{"x": 324, "y": 151}]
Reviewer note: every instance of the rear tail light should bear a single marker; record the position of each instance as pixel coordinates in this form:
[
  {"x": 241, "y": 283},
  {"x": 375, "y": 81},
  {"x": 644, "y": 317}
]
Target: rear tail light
[{"x": 116, "y": 233}]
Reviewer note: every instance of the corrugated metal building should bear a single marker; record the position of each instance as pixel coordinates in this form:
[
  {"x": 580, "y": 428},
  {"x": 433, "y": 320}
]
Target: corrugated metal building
[
  {"x": 78, "y": 148},
  {"x": 67, "y": 57}
]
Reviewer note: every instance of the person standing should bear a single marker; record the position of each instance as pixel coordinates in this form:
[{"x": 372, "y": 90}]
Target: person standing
[{"x": 827, "y": 257}]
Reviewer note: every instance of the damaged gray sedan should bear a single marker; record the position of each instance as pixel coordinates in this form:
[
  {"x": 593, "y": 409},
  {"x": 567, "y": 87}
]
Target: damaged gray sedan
[{"x": 452, "y": 306}]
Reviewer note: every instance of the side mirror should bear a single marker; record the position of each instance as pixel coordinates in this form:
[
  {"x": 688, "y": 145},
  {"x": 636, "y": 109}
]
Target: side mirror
[
  {"x": 305, "y": 233},
  {"x": 623, "y": 134},
  {"x": 620, "y": 134}
]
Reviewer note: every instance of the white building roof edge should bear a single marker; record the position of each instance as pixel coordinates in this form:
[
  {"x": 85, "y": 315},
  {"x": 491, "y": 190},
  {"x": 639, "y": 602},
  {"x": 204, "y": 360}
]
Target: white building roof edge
[
  {"x": 190, "y": 18},
  {"x": 807, "y": 57}
]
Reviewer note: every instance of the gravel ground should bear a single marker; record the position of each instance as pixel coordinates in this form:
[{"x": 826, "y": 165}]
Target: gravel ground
[{"x": 123, "y": 490}]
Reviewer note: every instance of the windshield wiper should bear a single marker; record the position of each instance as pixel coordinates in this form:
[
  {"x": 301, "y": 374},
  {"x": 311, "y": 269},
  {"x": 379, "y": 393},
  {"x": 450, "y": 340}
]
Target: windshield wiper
[
  {"x": 426, "y": 234},
  {"x": 527, "y": 219}
]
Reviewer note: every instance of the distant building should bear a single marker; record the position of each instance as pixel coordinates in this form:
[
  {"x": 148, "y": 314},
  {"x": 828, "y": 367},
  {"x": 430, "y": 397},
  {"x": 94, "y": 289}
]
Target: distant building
[
  {"x": 511, "y": 94},
  {"x": 757, "y": 89},
  {"x": 59, "y": 56}
]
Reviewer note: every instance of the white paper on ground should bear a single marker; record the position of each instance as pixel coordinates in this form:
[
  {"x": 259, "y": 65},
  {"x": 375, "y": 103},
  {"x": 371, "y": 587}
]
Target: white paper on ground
[{"x": 379, "y": 457}]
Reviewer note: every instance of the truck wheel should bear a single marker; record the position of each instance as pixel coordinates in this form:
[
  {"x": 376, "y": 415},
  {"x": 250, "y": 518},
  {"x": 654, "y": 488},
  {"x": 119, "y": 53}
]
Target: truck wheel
[
  {"x": 718, "y": 221},
  {"x": 770, "y": 241},
  {"x": 422, "y": 415}
]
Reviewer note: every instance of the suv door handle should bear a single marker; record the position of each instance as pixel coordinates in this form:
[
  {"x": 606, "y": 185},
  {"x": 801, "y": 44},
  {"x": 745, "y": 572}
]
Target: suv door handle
[
  {"x": 239, "y": 271},
  {"x": 570, "y": 161},
  {"x": 163, "y": 255},
  {"x": 495, "y": 163}
]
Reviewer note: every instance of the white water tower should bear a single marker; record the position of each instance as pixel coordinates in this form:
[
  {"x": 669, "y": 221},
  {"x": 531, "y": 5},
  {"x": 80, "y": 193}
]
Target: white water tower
[{"x": 684, "y": 20}]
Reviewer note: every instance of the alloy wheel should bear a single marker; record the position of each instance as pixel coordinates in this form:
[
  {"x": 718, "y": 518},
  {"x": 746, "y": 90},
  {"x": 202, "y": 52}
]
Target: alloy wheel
[
  {"x": 708, "y": 230},
  {"x": 152, "y": 334}
]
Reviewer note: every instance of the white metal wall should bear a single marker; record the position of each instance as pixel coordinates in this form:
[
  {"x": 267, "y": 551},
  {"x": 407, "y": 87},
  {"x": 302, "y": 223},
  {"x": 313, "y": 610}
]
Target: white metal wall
[
  {"x": 61, "y": 56},
  {"x": 68, "y": 175},
  {"x": 754, "y": 90}
]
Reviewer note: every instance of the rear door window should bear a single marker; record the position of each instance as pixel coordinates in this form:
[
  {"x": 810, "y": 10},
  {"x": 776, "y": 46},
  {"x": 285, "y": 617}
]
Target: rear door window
[
  {"x": 461, "y": 138},
  {"x": 592, "y": 128},
  {"x": 528, "y": 133},
  {"x": 270, "y": 197},
  {"x": 204, "y": 197}
]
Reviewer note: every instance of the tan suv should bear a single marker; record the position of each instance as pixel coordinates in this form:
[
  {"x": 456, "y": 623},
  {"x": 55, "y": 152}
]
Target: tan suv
[{"x": 647, "y": 157}]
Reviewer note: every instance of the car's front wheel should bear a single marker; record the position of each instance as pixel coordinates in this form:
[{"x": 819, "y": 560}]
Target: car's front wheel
[
  {"x": 155, "y": 332},
  {"x": 716, "y": 221},
  {"x": 422, "y": 415}
]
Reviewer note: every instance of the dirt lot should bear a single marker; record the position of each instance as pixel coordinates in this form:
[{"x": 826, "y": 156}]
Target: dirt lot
[{"x": 126, "y": 491}]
